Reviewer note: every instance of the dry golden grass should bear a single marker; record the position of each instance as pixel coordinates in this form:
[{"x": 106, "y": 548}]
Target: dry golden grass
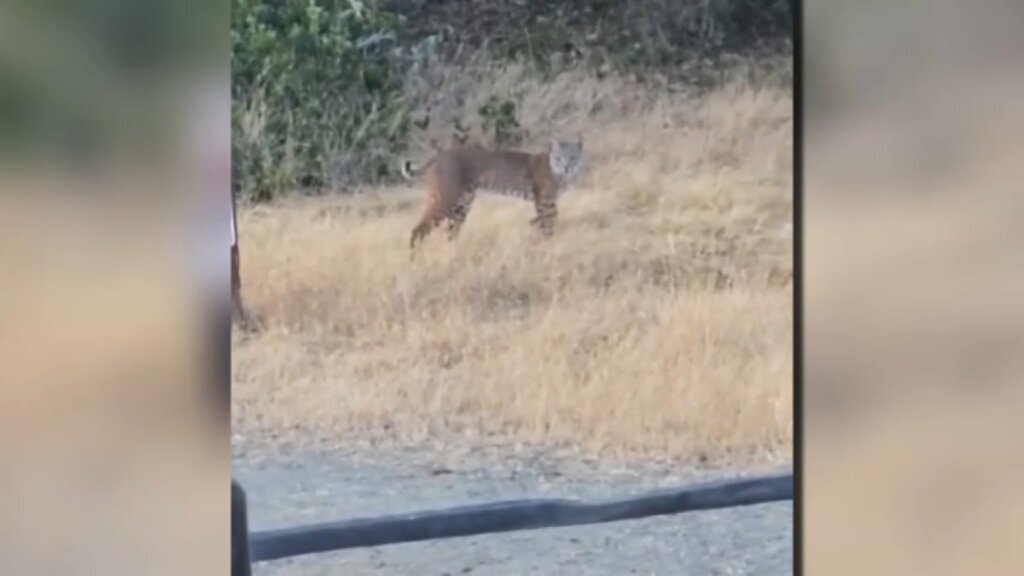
[{"x": 657, "y": 321}]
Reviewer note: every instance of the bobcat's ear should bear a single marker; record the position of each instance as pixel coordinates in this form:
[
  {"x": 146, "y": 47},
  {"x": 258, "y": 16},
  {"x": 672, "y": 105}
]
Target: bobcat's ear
[{"x": 555, "y": 144}]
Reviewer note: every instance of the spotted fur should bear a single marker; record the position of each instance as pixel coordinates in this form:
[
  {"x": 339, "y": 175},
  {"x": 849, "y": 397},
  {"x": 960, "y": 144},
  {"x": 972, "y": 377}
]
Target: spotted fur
[{"x": 454, "y": 177}]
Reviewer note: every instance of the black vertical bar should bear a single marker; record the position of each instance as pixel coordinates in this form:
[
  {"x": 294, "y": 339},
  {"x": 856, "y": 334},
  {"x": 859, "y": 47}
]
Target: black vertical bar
[{"x": 241, "y": 563}]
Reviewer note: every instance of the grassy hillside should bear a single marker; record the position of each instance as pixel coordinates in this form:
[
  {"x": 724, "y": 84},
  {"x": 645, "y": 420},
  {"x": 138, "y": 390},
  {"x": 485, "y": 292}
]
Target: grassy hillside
[{"x": 657, "y": 322}]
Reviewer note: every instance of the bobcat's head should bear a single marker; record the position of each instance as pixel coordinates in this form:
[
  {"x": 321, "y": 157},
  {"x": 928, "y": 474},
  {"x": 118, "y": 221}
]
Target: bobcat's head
[{"x": 566, "y": 158}]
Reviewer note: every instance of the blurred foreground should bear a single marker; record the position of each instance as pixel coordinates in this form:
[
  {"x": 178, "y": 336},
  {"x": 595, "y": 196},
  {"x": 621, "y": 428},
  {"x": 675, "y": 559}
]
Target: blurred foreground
[
  {"x": 117, "y": 462},
  {"x": 913, "y": 288}
]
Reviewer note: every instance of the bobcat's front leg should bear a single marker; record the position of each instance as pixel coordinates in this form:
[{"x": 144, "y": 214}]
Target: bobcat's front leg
[{"x": 547, "y": 213}]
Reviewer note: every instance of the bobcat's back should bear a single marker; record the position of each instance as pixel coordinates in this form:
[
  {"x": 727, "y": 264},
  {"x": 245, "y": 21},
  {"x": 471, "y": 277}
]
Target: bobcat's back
[{"x": 507, "y": 173}]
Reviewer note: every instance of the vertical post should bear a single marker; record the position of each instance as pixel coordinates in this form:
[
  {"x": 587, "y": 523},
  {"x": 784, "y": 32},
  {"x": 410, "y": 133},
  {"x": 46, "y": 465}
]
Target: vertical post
[
  {"x": 237, "y": 310},
  {"x": 241, "y": 564}
]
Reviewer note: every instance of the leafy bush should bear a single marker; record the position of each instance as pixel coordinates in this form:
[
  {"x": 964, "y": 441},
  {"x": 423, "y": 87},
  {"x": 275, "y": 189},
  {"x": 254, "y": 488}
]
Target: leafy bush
[
  {"x": 318, "y": 85},
  {"x": 499, "y": 120},
  {"x": 624, "y": 34},
  {"x": 317, "y": 94}
]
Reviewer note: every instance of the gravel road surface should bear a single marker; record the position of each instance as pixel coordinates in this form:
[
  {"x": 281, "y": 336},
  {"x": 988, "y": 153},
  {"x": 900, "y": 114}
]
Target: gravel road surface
[{"x": 301, "y": 486}]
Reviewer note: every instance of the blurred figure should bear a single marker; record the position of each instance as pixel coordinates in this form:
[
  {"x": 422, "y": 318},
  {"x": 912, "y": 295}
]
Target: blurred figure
[
  {"x": 913, "y": 282},
  {"x": 214, "y": 244}
]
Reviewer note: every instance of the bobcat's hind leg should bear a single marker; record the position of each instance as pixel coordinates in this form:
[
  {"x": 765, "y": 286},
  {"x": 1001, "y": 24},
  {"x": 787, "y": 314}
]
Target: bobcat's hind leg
[
  {"x": 433, "y": 214},
  {"x": 453, "y": 229},
  {"x": 421, "y": 230},
  {"x": 458, "y": 212}
]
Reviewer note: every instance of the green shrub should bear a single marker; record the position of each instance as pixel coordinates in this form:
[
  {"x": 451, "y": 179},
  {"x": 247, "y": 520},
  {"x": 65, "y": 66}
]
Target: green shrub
[
  {"x": 318, "y": 84},
  {"x": 317, "y": 94},
  {"x": 498, "y": 119}
]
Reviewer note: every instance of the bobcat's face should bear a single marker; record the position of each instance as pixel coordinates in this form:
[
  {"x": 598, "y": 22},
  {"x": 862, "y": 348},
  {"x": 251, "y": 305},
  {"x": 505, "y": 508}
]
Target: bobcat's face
[{"x": 566, "y": 159}]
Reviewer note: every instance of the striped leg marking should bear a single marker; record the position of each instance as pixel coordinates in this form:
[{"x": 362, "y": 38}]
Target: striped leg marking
[
  {"x": 458, "y": 213},
  {"x": 547, "y": 212}
]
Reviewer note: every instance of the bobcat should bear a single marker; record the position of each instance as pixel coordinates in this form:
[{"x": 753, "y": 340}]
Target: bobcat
[{"x": 453, "y": 178}]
